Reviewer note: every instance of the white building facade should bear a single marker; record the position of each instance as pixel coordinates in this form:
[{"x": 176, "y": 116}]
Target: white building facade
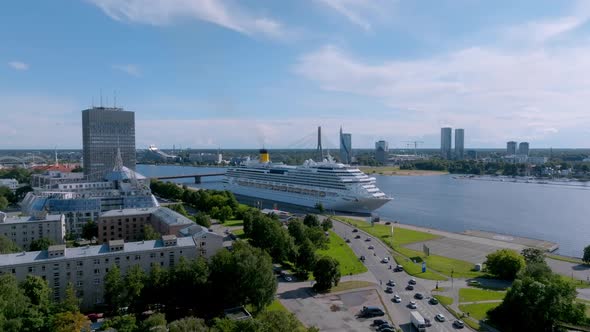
[{"x": 24, "y": 230}]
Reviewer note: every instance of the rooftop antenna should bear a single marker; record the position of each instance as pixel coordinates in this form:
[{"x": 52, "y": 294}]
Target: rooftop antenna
[
  {"x": 55, "y": 150},
  {"x": 101, "y": 98},
  {"x": 92, "y": 101},
  {"x": 319, "y": 149},
  {"x": 115, "y": 98},
  {"x": 107, "y": 101}
]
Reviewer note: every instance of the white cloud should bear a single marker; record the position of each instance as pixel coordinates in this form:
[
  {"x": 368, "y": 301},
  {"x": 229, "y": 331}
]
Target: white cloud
[
  {"x": 130, "y": 69},
  {"x": 162, "y": 12},
  {"x": 361, "y": 12},
  {"x": 18, "y": 65}
]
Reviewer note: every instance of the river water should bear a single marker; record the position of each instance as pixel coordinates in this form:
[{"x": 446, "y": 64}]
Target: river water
[{"x": 543, "y": 211}]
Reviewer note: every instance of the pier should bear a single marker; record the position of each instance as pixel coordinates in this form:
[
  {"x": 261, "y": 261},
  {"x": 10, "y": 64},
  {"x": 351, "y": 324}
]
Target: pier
[{"x": 197, "y": 177}]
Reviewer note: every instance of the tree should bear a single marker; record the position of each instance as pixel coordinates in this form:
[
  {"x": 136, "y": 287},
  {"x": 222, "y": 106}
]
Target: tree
[
  {"x": 586, "y": 257},
  {"x": 533, "y": 255},
  {"x": 532, "y": 305},
  {"x": 178, "y": 208},
  {"x": 40, "y": 244},
  {"x": 243, "y": 276},
  {"x": 13, "y": 304},
  {"x": 297, "y": 230},
  {"x": 188, "y": 324},
  {"x": 156, "y": 322},
  {"x": 149, "y": 233},
  {"x": 203, "y": 219},
  {"x": 327, "y": 224},
  {"x": 3, "y": 203},
  {"x": 69, "y": 322},
  {"x": 306, "y": 258},
  {"x": 38, "y": 292},
  {"x": 133, "y": 285},
  {"x": 311, "y": 220},
  {"x": 71, "y": 302},
  {"x": 225, "y": 213},
  {"x": 504, "y": 263},
  {"x": 320, "y": 207},
  {"x": 114, "y": 289},
  {"x": 7, "y": 246},
  {"x": 279, "y": 321},
  {"x": 317, "y": 237},
  {"x": 90, "y": 230},
  {"x": 125, "y": 323},
  {"x": 326, "y": 273}
]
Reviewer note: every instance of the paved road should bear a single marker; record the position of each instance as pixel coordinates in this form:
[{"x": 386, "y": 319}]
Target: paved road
[{"x": 399, "y": 311}]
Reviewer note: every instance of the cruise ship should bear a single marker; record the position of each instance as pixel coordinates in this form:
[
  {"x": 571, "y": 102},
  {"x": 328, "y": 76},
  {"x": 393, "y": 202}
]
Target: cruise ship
[{"x": 336, "y": 186}]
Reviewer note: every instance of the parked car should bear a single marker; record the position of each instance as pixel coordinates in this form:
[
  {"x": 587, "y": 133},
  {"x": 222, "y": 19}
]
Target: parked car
[
  {"x": 412, "y": 305},
  {"x": 459, "y": 324},
  {"x": 379, "y": 322},
  {"x": 388, "y": 290},
  {"x": 433, "y": 300},
  {"x": 371, "y": 247},
  {"x": 396, "y": 299},
  {"x": 409, "y": 287},
  {"x": 418, "y": 296},
  {"x": 412, "y": 281},
  {"x": 440, "y": 317},
  {"x": 372, "y": 312},
  {"x": 355, "y": 230},
  {"x": 386, "y": 327},
  {"x": 390, "y": 283}
]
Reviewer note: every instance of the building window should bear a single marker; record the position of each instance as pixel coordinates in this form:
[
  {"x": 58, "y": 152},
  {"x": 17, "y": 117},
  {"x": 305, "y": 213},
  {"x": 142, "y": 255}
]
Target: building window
[
  {"x": 152, "y": 255},
  {"x": 96, "y": 271},
  {"x": 79, "y": 263},
  {"x": 137, "y": 257},
  {"x": 43, "y": 268},
  {"x": 97, "y": 281},
  {"x": 31, "y": 269},
  {"x": 96, "y": 261},
  {"x": 80, "y": 273}
]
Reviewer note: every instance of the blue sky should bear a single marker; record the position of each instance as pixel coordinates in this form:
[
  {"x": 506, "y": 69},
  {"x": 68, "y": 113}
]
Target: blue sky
[{"x": 239, "y": 74}]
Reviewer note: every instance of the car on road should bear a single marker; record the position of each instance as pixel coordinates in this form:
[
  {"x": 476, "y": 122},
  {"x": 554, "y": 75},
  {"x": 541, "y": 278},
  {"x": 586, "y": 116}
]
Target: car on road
[
  {"x": 398, "y": 268},
  {"x": 386, "y": 327},
  {"x": 440, "y": 317},
  {"x": 418, "y": 296},
  {"x": 379, "y": 322},
  {"x": 372, "y": 312},
  {"x": 355, "y": 230},
  {"x": 368, "y": 239},
  {"x": 396, "y": 299},
  {"x": 412, "y": 305},
  {"x": 385, "y": 260},
  {"x": 409, "y": 287},
  {"x": 458, "y": 324},
  {"x": 433, "y": 300},
  {"x": 427, "y": 322},
  {"x": 357, "y": 237},
  {"x": 388, "y": 223},
  {"x": 389, "y": 290},
  {"x": 362, "y": 258},
  {"x": 412, "y": 281},
  {"x": 390, "y": 283},
  {"x": 371, "y": 247},
  {"x": 347, "y": 240},
  {"x": 288, "y": 279}
]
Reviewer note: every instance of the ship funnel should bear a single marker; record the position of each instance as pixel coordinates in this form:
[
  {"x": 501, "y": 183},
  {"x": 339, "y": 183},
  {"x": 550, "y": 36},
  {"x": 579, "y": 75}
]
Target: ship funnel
[{"x": 264, "y": 156}]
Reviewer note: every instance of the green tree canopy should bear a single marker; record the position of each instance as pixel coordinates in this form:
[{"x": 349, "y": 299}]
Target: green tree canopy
[
  {"x": 69, "y": 322},
  {"x": 90, "y": 230},
  {"x": 306, "y": 258},
  {"x": 7, "y": 246},
  {"x": 125, "y": 323},
  {"x": 311, "y": 220},
  {"x": 3, "y": 203},
  {"x": 188, "y": 324},
  {"x": 40, "y": 244},
  {"x": 114, "y": 288},
  {"x": 203, "y": 219},
  {"x": 533, "y": 255},
  {"x": 298, "y": 231},
  {"x": 38, "y": 292},
  {"x": 327, "y": 224},
  {"x": 586, "y": 256},
  {"x": 326, "y": 273},
  {"x": 504, "y": 263},
  {"x": 149, "y": 233},
  {"x": 153, "y": 322}
]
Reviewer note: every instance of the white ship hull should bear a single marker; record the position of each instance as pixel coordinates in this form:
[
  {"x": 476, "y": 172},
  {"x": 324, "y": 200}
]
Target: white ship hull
[{"x": 363, "y": 205}]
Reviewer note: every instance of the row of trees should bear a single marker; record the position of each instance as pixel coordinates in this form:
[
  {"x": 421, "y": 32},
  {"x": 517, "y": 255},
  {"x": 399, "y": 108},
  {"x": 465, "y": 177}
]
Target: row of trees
[
  {"x": 27, "y": 306},
  {"x": 243, "y": 276},
  {"x": 538, "y": 298}
]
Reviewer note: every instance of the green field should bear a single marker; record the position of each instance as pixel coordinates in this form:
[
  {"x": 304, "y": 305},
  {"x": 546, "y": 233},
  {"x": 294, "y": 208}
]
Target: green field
[
  {"x": 239, "y": 233},
  {"x": 415, "y": 269},
  {"x": 403, "y": 236},
  {"x": 575, "y": 282},
  {"x": 565, "y": 258},
  {"x": 476, "y": 295},
  {"x": 338, "y": 249},
  {"x": 444, "y": 299},
  {"x": 276, "y": 305},
  {"x": 233, "y": 223},
  {"x": 479, "y": 310}
]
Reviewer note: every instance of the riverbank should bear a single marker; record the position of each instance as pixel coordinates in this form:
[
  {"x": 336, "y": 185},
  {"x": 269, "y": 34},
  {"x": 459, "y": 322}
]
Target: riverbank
[{"x": 392, "y": 170}]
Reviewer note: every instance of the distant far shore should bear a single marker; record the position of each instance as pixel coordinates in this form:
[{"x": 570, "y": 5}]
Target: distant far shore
[{"x": 390, "y": 170}]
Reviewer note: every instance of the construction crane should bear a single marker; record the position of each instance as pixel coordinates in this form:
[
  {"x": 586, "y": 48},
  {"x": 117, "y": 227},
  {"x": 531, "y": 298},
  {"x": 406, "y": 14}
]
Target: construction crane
[{"x": 415, "y": 145}]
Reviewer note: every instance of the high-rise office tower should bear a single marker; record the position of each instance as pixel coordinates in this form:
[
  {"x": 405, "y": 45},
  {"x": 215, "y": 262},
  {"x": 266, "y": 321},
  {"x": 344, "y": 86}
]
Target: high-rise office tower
[
  {"x": 345, "y": 147},
  {"x": 104, "y": 130},
  {"x": 381, "y": 151},
  {"x": 459, "y": 144},
  {"x": 445, "y": 142},
  {"x": 511, "y": 148},
  {"x": 523, "y": 148}
]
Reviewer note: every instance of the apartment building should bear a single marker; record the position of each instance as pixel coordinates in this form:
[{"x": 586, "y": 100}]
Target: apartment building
[
  {"x": 24, "y": 230},
  {"x": 86, "y": 267}
]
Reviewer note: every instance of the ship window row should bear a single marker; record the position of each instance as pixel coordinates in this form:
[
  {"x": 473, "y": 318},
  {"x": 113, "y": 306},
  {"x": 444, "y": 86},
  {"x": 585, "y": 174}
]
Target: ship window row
[
  {"x": 303, "y": 182},
  {"x": 302, "y": 191},
  {"x": 297, "y": 177}
]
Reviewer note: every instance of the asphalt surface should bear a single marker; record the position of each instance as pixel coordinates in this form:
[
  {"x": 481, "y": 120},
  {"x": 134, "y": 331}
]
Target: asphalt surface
[{"x": 400, "y": 312}]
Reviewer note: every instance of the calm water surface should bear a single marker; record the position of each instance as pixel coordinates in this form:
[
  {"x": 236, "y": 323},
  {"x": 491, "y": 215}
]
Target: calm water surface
[{"x": 549, "y": 212}]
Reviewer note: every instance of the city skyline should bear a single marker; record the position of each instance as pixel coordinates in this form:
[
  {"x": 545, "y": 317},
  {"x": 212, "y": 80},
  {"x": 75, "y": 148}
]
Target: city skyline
[{"x": 392, "y": 70}]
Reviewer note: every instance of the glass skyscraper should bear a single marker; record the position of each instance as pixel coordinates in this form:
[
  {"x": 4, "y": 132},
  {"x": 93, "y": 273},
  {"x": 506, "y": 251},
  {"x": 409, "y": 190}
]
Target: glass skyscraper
[
  {"x": 104, "y": 130},
  {"x": 445, "y": 142}
]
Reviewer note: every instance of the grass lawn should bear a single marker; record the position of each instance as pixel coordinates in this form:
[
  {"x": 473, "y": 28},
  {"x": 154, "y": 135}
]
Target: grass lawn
[
  {"x": 565, "y": 258},
  {"x": 346, "y": 285},
  {"x": 276, "y": 305},
  {"x": 239, "y": 233},
  {"x": 475, "y": 295},
  {"x": 401, "y": 236},
  {"x": 338, "y": 249},
  {"x": 444, "y": 299},
  {"x": 479, "y": 310},
  {"x": 444, "y": 265},
  {"x": 575, "y": 282},
  {"x": 232, "y": 223},
  {"x": 415, "y": 269}
]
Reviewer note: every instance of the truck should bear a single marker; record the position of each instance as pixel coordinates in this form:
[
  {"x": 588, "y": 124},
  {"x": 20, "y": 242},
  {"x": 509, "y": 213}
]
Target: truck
[{"x": 418, "y": 321}]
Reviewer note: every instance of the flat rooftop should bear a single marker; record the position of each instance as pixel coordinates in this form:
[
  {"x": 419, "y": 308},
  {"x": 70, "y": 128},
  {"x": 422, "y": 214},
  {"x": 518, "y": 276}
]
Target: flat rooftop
[
  {"x": 89, "y": 251},
  {"x": 25, "y": 219},
  {"x": 128, "y": 212}
]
